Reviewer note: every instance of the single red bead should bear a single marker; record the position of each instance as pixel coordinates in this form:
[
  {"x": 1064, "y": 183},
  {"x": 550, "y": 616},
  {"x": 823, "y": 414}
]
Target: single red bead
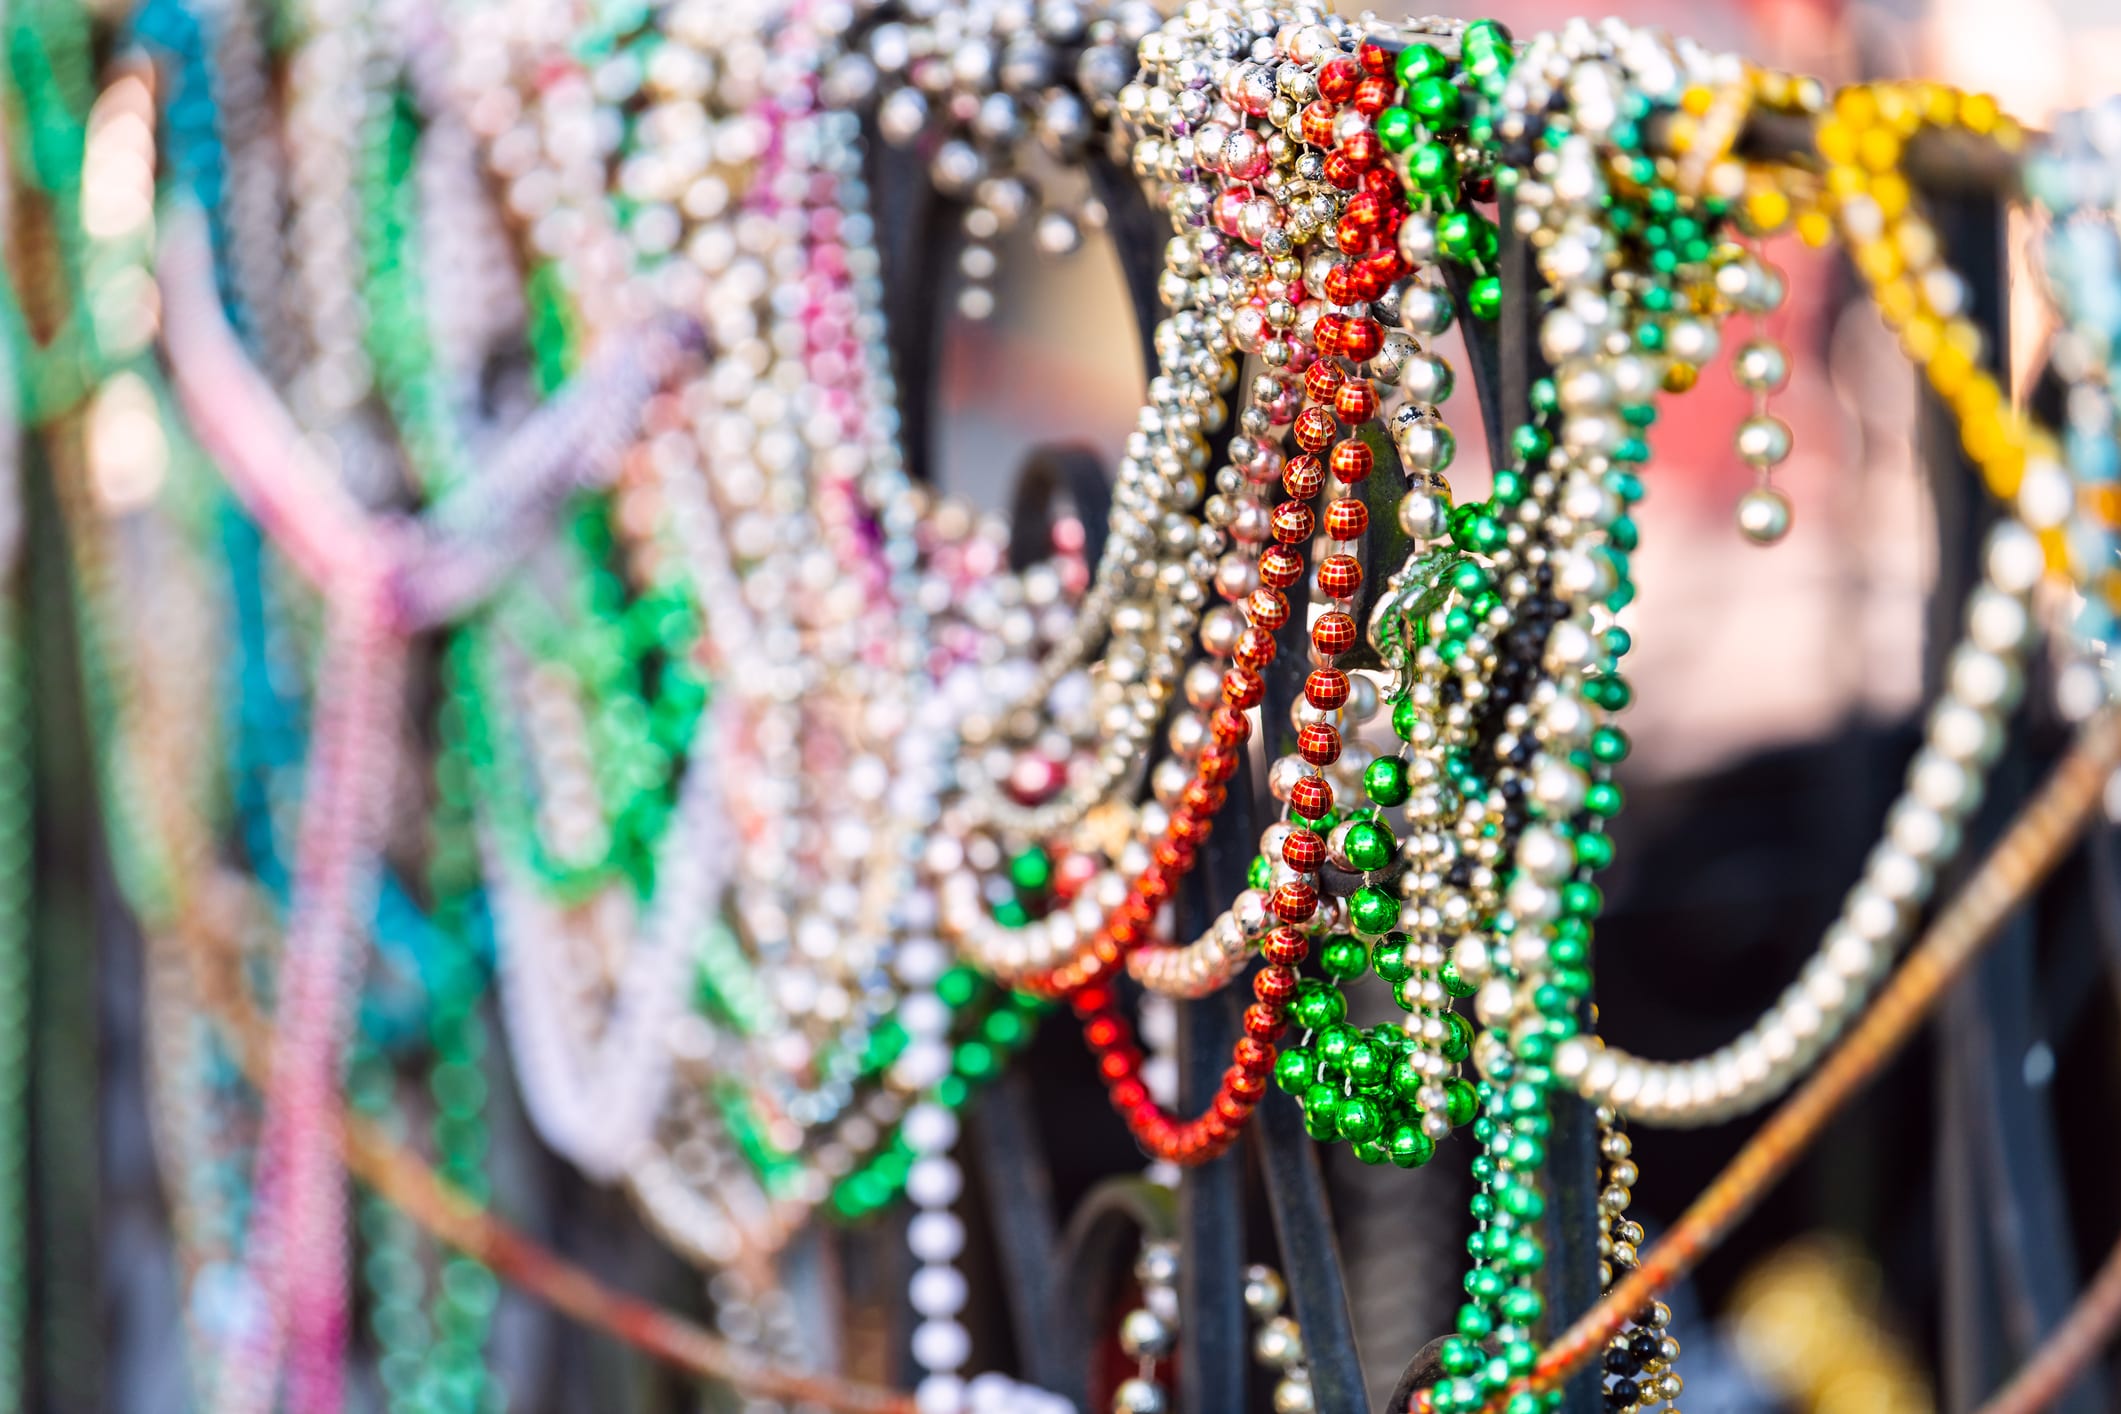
[
  {"x": 1325, "y": 332},
  {"x": 1303, "y": 477},
  {"x": 1242, "y": 687},
  {"x": 1285, "y": 947},
  {"x": 1319, "y": 744},
  {"x": 1346, "y": 517},
  {"x": 1280, "y": 566},
  {"x": 1311, "y": 797},
  {"x": 1104, "y": 1032},
  {"x": 1356, "y": 401},
  {"x": 1245, "y": 1086},
  {"x": 1274, "y": 984},
  {"x": 1380, "y": 270},
  {"x": 1255, "y": 649},
  {"x": 1318, "y": 121},
  {"x": 1323, "y": 379},
  {"x": 1352, "y": 237},
  {"x": 1263, "y": 1022},
  {"x": 1219, "y": 763},
  {"x": 1253, "y": 1056},
  {"x": 1386, "y": 186},
  {"x": 1352, "y": 461},
  {"x": 1229, "y": 727},
  {"x": 1333, "y": 634},
  {"x": 1269, "y": 608},
  {"x": 1201, "y": 798},
  {"x": 1293, "y": 522},
  {"x": 1339, "y": 576},
  {"x": 1375, "y": 62},
  {"x": 1344, "y": 172},
  {"x": 1129, "y": 1095},
  {"x": 1092, "y": 1000},
  {"x": 1340, "y": 286},
  {"x": 1374, "y": 95},
  {"x": 1363, "y": 149},
  {"x": 1314, "y": 427},
  {"x": 1361, "y": 339},
  {"x": 1295, "y": 901},
  {"x": 1231, "y": 1109},
  {"x": 1155, "y": 883},
  {"x": 1326, "y": 688},
  {"x": 1304, "y": 850},
  {"x": 1337, "y": 79},
  {"x": 1115, "y": 1066}
]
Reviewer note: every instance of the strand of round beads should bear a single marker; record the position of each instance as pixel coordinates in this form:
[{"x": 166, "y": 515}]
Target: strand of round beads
[
  {"x": 997, "y": 96},
  {"x": 1640, "y": 1358},
  {"x": 1964, "y": 728}
]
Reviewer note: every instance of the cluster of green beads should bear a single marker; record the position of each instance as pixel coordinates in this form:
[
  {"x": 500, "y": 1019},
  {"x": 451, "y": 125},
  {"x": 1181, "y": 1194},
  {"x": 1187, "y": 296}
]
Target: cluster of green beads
[
  {"x": 1441, "y": 116},
  {"x": 1505, "y": 1302},
  {"x": 1358, "y": 1084}
]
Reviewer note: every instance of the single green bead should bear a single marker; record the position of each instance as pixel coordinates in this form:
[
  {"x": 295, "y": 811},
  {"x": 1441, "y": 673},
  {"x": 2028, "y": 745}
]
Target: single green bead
[
  {"x": 1567, "y": 952},
  {"x": 1484, "y": 297},
  {"x": 1410, "y": 1147},
  {"x": 1604, "y": 798},
  {"x": 1294, "y": 1070},
  {"x": 1625, "y": 484},
  {"x": 1458, "y": 1356},
  {"x": 1396, "y": 129},
  {"x": 1386, "y": 781},
  {"x": 1483, "y": 1283},
  {"x": 1522, "y": 1306},
  {"x": 1436, "y": 100},
  {"x": 1431, "y": 166},
  {"x": 1011, "y": 913},
  {"x": 1031, "y": 870},
  {"x": 1482, "y": 1168},
  {"x": 1460, "y": 1101},
  {"x": 1455, "y": 981},
  {"x": 1526, "y": 1153},
  {"x": 1582, "y": 898},
  {"x": 1369, "y": 1065},
  {"x": 1317, "y": 1006},
  {"x": 1609, "y": 744},
  {"x": 1373, "y": 911},
  {"x": 1474, "y": 1323},
  {"x": 1261, "y": 874},
  {"x": 1322, "y": 1125},
  {"x": 1371, "y": 1152},
  {"x": 1334, "y": 1043},
  {"x": 1344, "y": 958},
  {"x": 1323, "y": 1101},
  {"x": 1405, "y": 718},
  {"x": 1525, "y": 1254},
  {"x": 1369, "y": 845},
  {"x": 1458, "y": 1037},
  {"x": 1389, "y": 959},
  {"x": 1360, "y": 1118},
  {"x": 1594, "y": 851},
  {"x": 1524, "y": 1402},
  {"x": 1420, "y": 61},
  {"x": 1530, "y": 442},
  {"x": 1407, "y": 1078}
]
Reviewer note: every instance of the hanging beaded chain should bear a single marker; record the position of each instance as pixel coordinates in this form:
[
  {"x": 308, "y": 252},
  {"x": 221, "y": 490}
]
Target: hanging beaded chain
[
  {"x": 1924, "y": 301},
  {"x": 1006, "y": 104},
  {"x": 1278, "y": 1342},
  {"x": 1148, "y": 1334},
  {"x": 1513, "y": 685},
  {"x": 1760, "y": 367},
  {"x": 1641, "y": 1357},
  {"x": 2076, "y": 175},
  {"x": 1390, "y": 1091}
]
